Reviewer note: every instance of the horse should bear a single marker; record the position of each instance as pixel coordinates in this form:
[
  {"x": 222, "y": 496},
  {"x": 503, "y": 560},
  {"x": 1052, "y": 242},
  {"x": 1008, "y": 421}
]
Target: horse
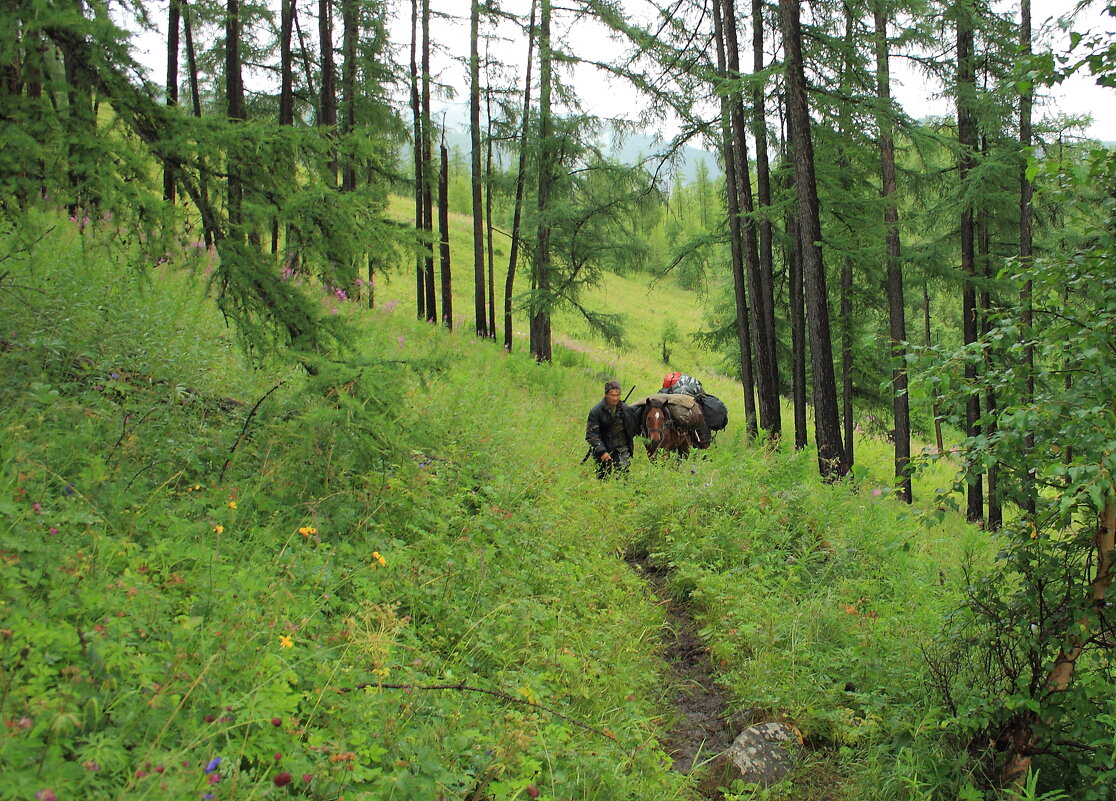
[{"x": 662, "y": 432}]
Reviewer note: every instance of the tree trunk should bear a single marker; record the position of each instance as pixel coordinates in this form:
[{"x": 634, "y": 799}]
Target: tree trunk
[
  {"x": 928, "y": 341},
  {"x": 327, "y": 117},
  {"x": 427, "y": 170},
  {"x": 416, "y": 153},
  {"x": 540, "y": 311},
  {"x": 895, "y": 296},
  {"x": 967, "y": 141},
  {"x": 732, "y": 198},
  {"x": 764, "y": 307},
  {"x": 443, "y": 235},
  {"x": 488, "y": 205},
  {"x": 847, "y": 355},
  {"x": 798, "y": 328},
  {"x": 827, "y": 426},
  {"x": 286, "y": 96},
  {"x": 1026, "y": 234},
  {"x": 173, "y": 25},
  {"x": 764, "y": 350},
  {"x": 520, "y": 183},
  {"x": 995, "y": 517},
  {"x": 480, "y": 315},
  {"x": 234, "y": 91},
  {"x": 351, "y": 23}
]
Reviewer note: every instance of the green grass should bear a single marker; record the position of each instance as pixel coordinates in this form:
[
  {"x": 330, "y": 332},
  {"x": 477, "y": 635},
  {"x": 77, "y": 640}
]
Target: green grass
[{"x": 190, "y": 575}]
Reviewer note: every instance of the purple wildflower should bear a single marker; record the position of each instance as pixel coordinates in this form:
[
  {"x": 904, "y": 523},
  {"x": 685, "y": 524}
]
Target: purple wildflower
[{"x": 213, "y": 764}]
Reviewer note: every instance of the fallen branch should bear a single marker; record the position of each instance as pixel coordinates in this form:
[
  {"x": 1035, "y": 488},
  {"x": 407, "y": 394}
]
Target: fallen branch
[{"x": 244, "y": 428}]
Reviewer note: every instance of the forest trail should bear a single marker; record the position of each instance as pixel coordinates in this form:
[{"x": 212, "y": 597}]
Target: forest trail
[{"x": 703, "y": 729}]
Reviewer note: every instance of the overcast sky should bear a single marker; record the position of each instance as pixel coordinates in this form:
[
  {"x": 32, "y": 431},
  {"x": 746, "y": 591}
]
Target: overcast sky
[{"x": 611, "y": 98}]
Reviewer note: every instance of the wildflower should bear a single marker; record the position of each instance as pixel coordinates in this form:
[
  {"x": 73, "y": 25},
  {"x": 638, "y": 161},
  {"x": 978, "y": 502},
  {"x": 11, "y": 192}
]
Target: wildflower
[
  {"x": 232, "y": 504},
  {"x": 91, "y": 766},
  {"x": 306, "y": 777},
  {"x": 37, "y": 507},
  {"x": 219, "y": 528},
  {"x": 341, "y": 294},
  {"x": 285, "y": 641},
  {"x": 213, "y": 778},
  {"x": 282, "y": 779},
  {"x": 53, "y": 530},
  {"x": 68, "y": 490},
  {"x": 276, "y": 722},
  {"x": 877, "y": 492},
  {"x": 850, "y": 610},
  {"x": 213, "y": 764},
  {"x": 380, "y": 559},
  {"x": 307, "y": 531},
  {"x": 114, "y": 376},
  {"x": 402, "y": 340},
  {"x": 46, "y": 795}
]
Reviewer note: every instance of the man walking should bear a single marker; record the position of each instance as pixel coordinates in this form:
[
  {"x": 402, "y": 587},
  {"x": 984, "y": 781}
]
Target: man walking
[{"x": 608, "y": 432}]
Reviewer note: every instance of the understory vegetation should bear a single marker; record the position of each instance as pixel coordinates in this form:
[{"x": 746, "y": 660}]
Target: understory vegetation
[{"x": 393, "y": 579}]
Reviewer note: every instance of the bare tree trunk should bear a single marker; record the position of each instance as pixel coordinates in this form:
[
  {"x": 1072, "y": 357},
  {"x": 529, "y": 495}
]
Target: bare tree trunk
[
  {"x": 798, "y": 329},
  {"x": 174, "y": 15},
  {"x": 428, "y": 169},
  {"x": 827, "y": 426},
  {"x": 540, "y": 313},
  {"x": 351, "y": 24},
  {"x": 928, "y": 341},
  {"x": 895, "y": 295},
  {"x": 480, "y": 315},
  {"x": 234, "y": 90},
  {"x": 416, "y": 152},
  {"x": 520, "y": 182},
  {"x": 766, "y": 302},
  {"x": 443, "y": 235},
  {"x": 286, "y": 94},
  {"x": 995, "y": 517},
  {"x": 847, "y": 358},
  {"x": 488, "y": 203},
  {"x": 732, "y": 198},
  {"x": 327, "y": 117},
  {"x": 764, "y": 351},
  {"x": 967, "y": 140},
  {"x": 1026, "y": 237}
]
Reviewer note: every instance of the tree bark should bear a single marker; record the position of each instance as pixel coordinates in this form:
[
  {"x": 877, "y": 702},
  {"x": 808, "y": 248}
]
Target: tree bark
[
  {"x": 798, "y": 326},
  {"x": 351, "y": 23},
  {"x": 766, "y": 302},
  {"x": 234, "y": 91},
  {"x": 896, "y": 305},
  {"x": 327, "y": 116},
  {"x": 540, "y": 316},
  {"x": 443, "y": 235},
  {"x": 520, "y": 184},
  {"x": 928, "y": 341},
  {"x": 427, "y": 170},
  {"x": 416, "y": 153},
  {"x": 763, "y": 352},
  {"x": 827, "y": 426},
  {"x": 488, "y": 205},
  {"x": 481, "y": 317},
  {"x": 732, "y": 198},
  {"x": 967, "y": 141},
  {"x": 1026, "y": 237},
  {"x": 174, "y": 16}
]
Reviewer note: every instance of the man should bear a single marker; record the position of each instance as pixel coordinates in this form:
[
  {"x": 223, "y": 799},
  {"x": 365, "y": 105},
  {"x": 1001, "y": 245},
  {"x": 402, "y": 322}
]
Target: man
[{"x": 608, "y": 432}]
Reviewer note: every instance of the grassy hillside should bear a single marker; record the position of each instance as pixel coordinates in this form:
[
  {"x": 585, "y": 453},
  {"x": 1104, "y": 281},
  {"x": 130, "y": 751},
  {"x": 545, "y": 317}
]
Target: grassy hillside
[{"x": 395, "y": 580}]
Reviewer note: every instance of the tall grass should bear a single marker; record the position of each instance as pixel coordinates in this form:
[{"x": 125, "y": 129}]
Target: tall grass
[{"x": 395, "y": 579}]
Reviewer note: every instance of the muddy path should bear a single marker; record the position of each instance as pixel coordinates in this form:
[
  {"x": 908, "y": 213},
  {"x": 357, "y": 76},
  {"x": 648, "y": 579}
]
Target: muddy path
[{"x": 703, "y": 728}]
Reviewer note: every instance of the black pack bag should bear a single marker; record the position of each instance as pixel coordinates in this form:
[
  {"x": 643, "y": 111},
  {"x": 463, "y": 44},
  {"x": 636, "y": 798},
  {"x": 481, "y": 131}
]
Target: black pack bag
[{"x": 715, "y": 412}]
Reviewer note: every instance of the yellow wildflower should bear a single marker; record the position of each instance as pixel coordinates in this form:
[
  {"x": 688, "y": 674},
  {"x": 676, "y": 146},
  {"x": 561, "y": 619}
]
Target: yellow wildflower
[
  {"x": 219, "y": 528},
  {"x": 307, "y": 531},
  {"x": 232, "y": 504},
  {"x": 380, "y": 559},
  {"x": 285, "y": 641}
]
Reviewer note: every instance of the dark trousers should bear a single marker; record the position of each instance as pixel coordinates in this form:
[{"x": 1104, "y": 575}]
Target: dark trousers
[{"x": 621, "y": 458}]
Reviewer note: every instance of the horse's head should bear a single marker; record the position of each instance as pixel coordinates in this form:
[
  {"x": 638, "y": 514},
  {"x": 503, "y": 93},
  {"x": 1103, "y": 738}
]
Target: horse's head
[{"x": 655, "y": 423}]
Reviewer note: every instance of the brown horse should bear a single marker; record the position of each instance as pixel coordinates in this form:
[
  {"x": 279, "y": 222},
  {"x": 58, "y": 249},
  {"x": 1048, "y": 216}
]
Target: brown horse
[{"x": 662, "y": 432}]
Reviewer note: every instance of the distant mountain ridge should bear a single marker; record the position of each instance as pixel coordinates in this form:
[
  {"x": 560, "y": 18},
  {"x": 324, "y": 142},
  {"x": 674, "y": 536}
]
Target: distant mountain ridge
[{"x": 629, "y": 149}]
